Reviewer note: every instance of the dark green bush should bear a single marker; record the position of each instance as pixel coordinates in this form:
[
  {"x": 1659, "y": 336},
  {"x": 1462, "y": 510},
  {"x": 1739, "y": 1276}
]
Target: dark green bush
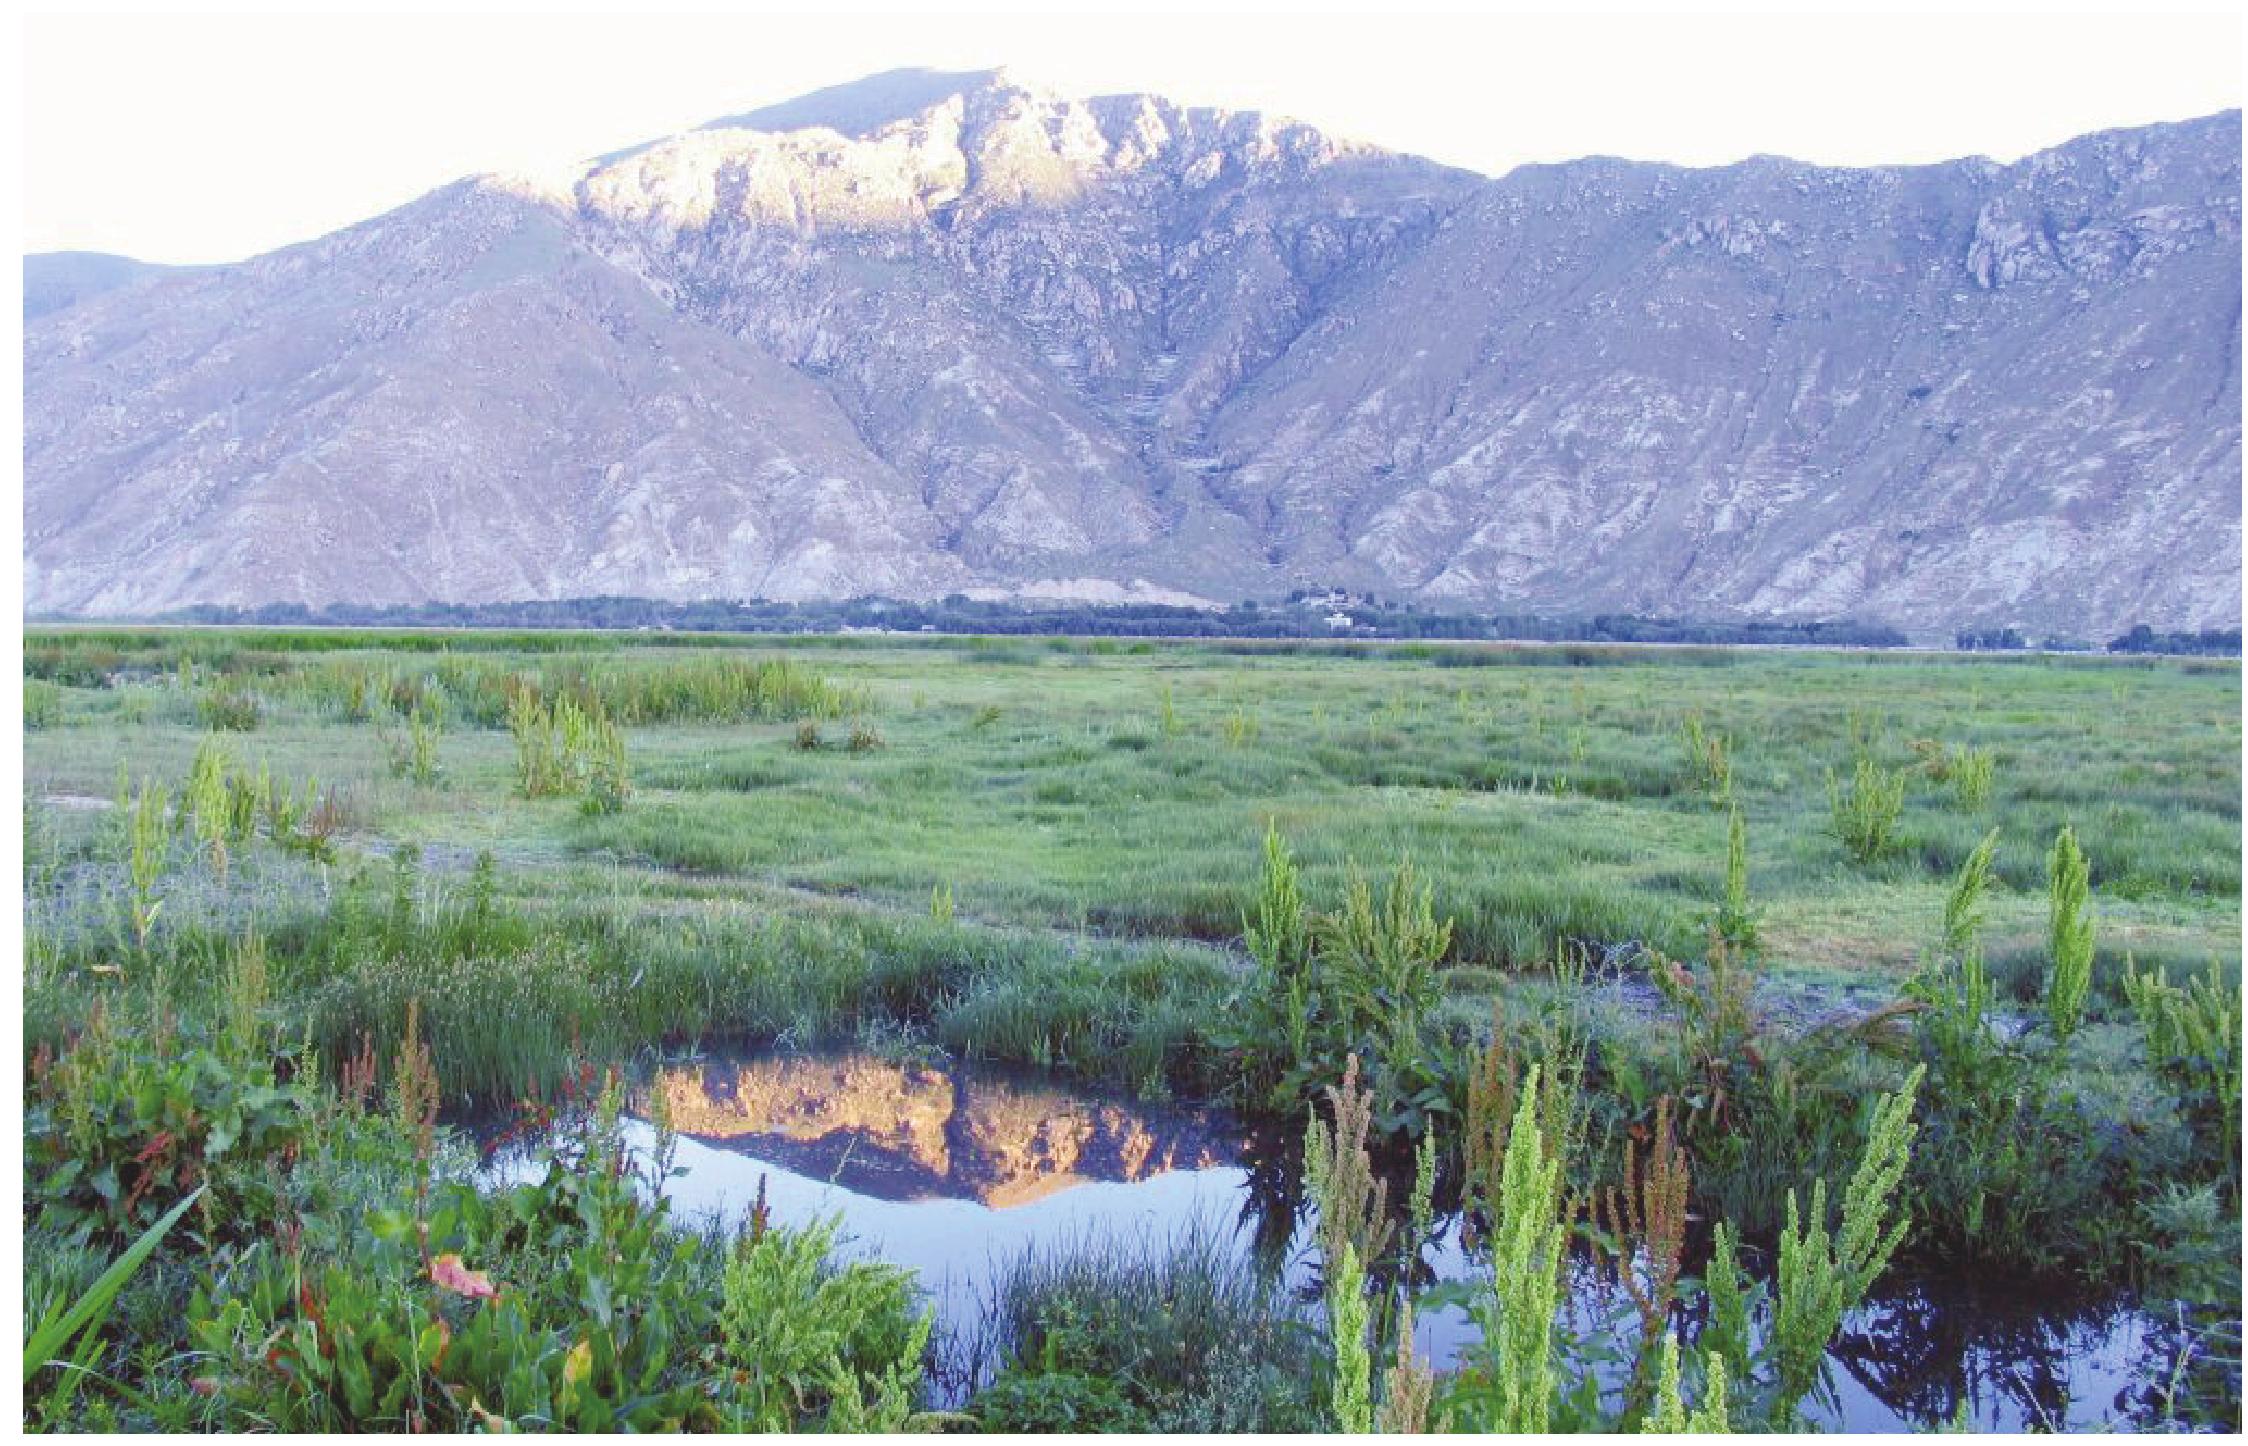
[
  {"x": 126, "y": 1122},
  {"x": 1041, "y": 1402}
]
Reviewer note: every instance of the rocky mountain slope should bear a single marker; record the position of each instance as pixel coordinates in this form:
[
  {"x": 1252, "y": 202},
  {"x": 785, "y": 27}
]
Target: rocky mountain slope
[{"x": 932, "y": 333}]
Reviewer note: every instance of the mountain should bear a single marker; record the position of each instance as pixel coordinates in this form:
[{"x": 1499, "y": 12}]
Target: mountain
[{"x": 948, "y": 332}]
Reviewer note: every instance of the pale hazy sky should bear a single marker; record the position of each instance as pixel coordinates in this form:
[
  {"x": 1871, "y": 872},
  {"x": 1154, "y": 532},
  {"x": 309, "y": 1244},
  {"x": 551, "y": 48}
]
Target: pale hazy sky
[{"x": 182, "y": 138}]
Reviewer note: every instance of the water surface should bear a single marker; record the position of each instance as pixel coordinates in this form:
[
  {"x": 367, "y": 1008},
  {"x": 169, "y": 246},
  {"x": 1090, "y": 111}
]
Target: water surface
[{"x": 953, "y": 1173}]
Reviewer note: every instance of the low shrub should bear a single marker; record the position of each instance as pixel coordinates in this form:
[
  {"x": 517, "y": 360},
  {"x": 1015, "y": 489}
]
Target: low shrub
[
  {"x": 229, "y": 706},
  {"x": 1052, "y": 1399},
  {"x": 1184, "y": 1334}
]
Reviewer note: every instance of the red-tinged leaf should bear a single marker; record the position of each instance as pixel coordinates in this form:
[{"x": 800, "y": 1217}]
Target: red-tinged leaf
[
  {"x": 309, "y": 1306},
  {"x": 450, "y": 1274}
]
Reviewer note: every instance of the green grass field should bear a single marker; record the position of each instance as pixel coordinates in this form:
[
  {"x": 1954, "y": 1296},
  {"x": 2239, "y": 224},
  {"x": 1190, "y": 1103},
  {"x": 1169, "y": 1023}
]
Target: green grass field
[{"x": 1124, "y": 793}]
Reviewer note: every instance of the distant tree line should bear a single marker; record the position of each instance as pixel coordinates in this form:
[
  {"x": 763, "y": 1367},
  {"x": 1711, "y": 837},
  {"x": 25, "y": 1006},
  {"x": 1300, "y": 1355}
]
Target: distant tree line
[
  {"x": 2209, "y": 642},
  {"x": 1301, "y": 617},
  {"x": 1990, "y": 640},
  {"x": 1303, "y": 614}
]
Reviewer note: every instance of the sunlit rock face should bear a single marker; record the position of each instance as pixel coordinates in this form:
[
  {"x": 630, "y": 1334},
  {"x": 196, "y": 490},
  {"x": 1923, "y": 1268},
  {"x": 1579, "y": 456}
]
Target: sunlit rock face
[
  {"x": 933, "y": 333},
  {"x": 904, "y": 1131}
]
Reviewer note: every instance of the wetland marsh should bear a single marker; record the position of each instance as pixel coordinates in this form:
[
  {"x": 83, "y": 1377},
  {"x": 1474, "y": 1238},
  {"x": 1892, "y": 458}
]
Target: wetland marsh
[{"x": 1720, "y": 1000}]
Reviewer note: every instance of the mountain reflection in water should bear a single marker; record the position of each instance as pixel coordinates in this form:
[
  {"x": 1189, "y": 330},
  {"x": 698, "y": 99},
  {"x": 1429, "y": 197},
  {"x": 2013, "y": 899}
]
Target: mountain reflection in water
[
  {"x": 902, "y": 1131},
  {"x": 951, "y": 1173}
]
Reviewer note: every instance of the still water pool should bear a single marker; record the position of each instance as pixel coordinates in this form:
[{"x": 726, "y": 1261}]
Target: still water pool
[{"x": 952, "y": 1174}]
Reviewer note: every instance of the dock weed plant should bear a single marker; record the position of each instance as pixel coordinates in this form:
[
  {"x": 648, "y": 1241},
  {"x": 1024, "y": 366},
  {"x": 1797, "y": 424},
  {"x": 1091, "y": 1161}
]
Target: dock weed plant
[
  {"x": 413, "y": 747},
  {"x": 1737, "y": 920},
  {"x": 1968, "y": 772},
  {"x": 2069, "y": 940},
  {"x": 2190, "y": 1035},
  {"x": 148, "y": 848},
  {"x": 1709, "y": 761},
  {"x": 568, "y": 748},
  {"x": 1866, "y": 806},
  {"x": 1825, "y": 1273}
]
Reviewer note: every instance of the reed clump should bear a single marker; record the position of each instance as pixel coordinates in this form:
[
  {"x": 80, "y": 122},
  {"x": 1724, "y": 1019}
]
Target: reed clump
[{"x": 1866, "y": 807}]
